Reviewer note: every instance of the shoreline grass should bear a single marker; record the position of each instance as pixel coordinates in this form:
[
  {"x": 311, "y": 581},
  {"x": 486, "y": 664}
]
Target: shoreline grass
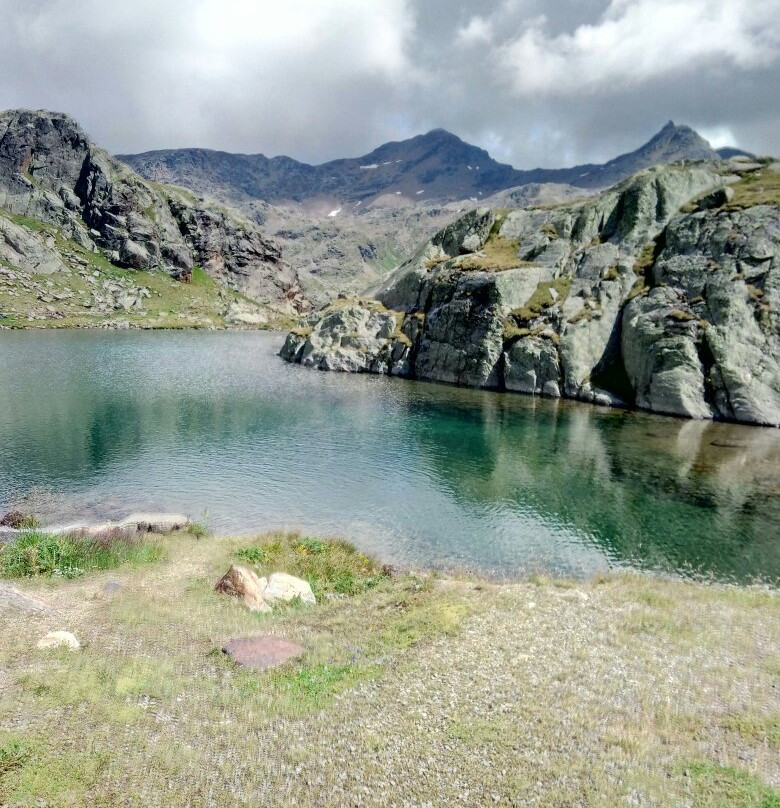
[
  {"x": 624, "y": 690},
  {"x": 36, "y": 553}
]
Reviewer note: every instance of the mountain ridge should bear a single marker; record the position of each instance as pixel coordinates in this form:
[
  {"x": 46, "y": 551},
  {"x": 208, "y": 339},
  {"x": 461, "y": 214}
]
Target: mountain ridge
[{"x": 436, "y": 166}]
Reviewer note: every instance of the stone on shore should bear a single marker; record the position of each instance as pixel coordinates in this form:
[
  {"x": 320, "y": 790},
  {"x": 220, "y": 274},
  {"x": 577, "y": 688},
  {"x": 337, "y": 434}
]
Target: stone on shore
[
  {"x": 12, "y": 598},
  {"x": 262, "y": 652},
  {"x": 156, "y": 522},
  {"x": 239, "y": 582},
  {"x": 284, "y": 588},
  {"x": 59, "y": 639}
]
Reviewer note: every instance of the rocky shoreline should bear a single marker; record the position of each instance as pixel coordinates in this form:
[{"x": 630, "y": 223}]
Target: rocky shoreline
[{"x": 661, "y": 294}]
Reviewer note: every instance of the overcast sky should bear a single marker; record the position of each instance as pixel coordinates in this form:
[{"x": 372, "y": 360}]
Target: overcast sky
[{"x": 536, "y": 82}]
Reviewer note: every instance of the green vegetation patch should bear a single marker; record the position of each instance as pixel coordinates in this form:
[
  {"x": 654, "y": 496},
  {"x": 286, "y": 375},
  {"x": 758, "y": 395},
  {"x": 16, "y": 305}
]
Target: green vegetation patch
[
  {"x": 542, "y": 299},
  {"x": 312, "y": 687},
  {"x": 13, "y": 754},
  {"x": 400, "y": 336},
  {"x": 681, "y": 316},
  {"x": 348, "y": 302},
  {"x": 201, "y": 278},
  {"x": 755, "y": 728},
  {"x": 513, "y": 331},
  {"x": 200, "y": 303},
  {"x": 37, "y": 773},
  {"x": 331, "y": 566},
  {"x": 31, "y": 224},
  {"x": 758, "y": 188},
  {"x": 497, "y": 255},
  {"x": 729, "y": 787},
  {"x": 44, "y": 554},
  {"x": 645, "y": 259}
]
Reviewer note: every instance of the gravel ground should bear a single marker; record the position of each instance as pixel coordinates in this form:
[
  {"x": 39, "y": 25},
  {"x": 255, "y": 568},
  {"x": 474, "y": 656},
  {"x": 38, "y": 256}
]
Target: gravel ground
[{"x": 623, "y": 691}]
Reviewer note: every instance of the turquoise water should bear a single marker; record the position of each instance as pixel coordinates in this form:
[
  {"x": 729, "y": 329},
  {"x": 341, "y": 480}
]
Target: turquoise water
[{"x": 98, "y": 424}]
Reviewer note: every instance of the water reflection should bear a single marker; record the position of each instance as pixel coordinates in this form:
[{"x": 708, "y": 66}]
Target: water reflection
[{"x": 419, "y": 473}]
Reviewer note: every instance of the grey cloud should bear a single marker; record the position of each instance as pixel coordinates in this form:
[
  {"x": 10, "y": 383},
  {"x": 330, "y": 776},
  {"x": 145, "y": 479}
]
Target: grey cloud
[{"x": 337, "y": 79}]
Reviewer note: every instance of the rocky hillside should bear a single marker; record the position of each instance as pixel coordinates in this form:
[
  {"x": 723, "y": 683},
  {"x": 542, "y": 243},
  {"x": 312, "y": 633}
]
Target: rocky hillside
[
  {"x": 70, "y": 212},
  {"x": 344, "y": 224},
  {"x": 662, "y": 293},
  {"x": 437, "y": 166},
  {"x": 350, "y": 252}
]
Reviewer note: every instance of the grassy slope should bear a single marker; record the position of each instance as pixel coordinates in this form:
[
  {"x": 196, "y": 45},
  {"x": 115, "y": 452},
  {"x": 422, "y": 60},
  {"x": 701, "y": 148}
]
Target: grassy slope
[
  {"x": 199, "y": 304},
  {"x": 627, "y": 691},
  {"x": 757, "y": 188}
]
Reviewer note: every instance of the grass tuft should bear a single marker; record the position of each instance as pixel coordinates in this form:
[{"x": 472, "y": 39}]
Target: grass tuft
[
  {"x": 497, "y": 255},
  {"x": 332, "y": 567},
  {"x": 729, "y": 787},
  {"x": 13, "y": 755},
  {"x": 758, "y": 188},
  {"x": 69, "y": 556},
  {"x": 542, "y": 299}
]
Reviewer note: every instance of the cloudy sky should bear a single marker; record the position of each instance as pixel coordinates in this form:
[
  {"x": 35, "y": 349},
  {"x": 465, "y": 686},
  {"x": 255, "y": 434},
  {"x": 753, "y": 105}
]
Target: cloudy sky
[{"x": 536, "y": 82}]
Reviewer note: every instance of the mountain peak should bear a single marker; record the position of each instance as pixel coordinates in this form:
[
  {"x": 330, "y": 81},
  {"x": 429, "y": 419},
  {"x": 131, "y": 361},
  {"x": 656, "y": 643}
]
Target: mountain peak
[
  {"x": 675, "y": 142},
  {"x": 437, "y": 165},
  {"x": 440, "y": 132}
]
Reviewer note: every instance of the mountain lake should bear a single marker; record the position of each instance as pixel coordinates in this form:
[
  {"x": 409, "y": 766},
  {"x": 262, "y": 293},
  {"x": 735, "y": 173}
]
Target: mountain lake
[{"x": 97, "y": 424}]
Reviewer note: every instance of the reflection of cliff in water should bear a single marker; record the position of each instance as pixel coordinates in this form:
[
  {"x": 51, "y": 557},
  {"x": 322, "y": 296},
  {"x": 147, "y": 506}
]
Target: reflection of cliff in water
[
  {"x": 80, "y": 432},
  {"x": 660, "y": 492}
]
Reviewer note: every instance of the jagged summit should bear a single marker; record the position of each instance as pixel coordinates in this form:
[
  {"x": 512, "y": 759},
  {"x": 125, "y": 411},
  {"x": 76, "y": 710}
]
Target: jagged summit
[{"x": 670, "y": 144}]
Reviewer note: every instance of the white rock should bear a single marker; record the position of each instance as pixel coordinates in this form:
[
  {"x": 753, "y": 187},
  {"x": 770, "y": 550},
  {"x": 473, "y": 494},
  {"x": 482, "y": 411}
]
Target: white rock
[
  {"x": 283, "y": 588},
  {"x": 59, "y": 639}
]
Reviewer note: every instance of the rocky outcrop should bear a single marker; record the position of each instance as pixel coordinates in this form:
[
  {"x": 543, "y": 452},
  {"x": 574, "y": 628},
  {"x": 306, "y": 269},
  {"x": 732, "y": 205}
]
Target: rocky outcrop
[
  {"x": 51, "y": 173},
  {"x": 22, "y": 248},
  {"x": 351, "y": 335},
  {"x": 620, "y": 299}
]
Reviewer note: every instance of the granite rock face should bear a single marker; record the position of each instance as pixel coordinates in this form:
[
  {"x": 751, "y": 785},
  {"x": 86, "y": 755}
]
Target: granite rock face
[
  {"x": 642, "y": 297},
  {"x": 50, "y": 172}
]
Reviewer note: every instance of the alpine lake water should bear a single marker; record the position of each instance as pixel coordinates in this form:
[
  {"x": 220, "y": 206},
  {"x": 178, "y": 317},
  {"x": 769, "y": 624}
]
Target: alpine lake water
[{"x": 96, "y": 424}]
